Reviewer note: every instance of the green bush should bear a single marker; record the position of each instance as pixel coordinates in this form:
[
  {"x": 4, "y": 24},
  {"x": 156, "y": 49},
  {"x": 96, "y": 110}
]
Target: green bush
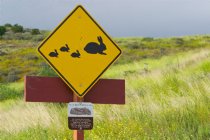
[
  {"x": 148, "y": 39},
  {"x": 13, "y": 76},
  {"x": 17, "y": 28},
  {"x": 179, "y": 41},
  {"x": 35, "y": 31},
  {"x": 46, "y": 70},
  {"x": 38, "y": 37},
  {"x": 7, "y": 25},
  {"x": 8, "y": 93},
  {"x": 2, "y": 30}
]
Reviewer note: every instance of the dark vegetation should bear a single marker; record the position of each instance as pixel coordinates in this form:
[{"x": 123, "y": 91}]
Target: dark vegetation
[
  {"x": 17, "y": 28},
  {"x": 35, "y": 31},
  {"x": 18, "y": 32},
  {"x": 2, "y": 30}
]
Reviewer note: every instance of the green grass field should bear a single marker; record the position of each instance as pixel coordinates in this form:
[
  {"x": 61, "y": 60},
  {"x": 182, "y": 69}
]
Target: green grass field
[{"x": 167, "y": 94}]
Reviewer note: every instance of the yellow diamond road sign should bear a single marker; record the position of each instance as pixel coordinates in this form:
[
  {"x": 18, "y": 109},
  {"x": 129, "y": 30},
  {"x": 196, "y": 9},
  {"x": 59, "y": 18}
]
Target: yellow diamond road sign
[{"x": 79, "y": 51}]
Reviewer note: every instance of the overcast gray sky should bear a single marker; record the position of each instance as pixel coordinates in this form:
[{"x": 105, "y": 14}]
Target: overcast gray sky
[{"x": 119, "y": 18}]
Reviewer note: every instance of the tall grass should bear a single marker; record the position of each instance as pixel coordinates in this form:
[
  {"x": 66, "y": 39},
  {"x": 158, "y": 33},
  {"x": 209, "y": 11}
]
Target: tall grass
[
  {"x": 168, "y": 98},
  {"x": 8, "y": 91}
]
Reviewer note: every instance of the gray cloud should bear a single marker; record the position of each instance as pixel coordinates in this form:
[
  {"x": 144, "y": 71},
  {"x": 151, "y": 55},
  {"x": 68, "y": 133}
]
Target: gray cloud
[{"x": 155, "y": 18}]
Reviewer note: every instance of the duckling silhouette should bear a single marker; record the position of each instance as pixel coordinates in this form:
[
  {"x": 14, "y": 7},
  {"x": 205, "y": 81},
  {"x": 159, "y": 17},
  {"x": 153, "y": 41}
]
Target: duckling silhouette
[
  {"x": 65, "y": 48},
  {"x": 53, "y": 54},
  {"x": 76, "y": 54}
]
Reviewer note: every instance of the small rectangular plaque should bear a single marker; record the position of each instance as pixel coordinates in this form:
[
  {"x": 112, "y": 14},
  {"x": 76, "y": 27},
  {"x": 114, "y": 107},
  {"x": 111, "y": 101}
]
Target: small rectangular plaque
[{"x": 80, "y": 116}]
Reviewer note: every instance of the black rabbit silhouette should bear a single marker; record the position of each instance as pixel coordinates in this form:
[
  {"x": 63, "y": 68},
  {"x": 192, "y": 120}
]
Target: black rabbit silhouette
[
  {"x": 53, "y": 54},
  {"x": 76, "y": 54},
  {"x": 94, "y": 48},
  {"x": 65, "y": 48}
]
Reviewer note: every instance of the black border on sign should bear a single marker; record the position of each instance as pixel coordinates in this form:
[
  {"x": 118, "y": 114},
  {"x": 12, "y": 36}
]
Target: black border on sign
[{"x": 80, "y": 95}]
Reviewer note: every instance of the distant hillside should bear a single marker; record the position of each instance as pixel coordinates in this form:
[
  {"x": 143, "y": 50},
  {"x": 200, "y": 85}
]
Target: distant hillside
[{"x": 18, "y": 56}]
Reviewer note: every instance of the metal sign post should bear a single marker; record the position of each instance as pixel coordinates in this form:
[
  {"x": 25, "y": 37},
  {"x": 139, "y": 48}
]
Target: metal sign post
[{"x": 78, "y": 134}]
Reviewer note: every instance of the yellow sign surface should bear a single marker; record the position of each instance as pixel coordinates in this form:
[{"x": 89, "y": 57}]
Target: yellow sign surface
[{"x": 79, "y": 51}]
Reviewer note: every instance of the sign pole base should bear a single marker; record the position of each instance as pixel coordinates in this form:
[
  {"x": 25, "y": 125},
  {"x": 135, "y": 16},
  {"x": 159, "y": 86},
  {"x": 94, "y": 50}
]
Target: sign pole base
[{"x": 78, "y": 134}]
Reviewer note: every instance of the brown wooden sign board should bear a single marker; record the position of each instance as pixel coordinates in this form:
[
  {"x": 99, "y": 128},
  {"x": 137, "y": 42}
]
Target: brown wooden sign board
[{"x": 53, "y": 89}]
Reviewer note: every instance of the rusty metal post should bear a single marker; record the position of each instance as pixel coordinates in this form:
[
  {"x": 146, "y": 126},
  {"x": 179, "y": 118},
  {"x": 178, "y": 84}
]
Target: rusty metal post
[{"x": 78, "y": 134}]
